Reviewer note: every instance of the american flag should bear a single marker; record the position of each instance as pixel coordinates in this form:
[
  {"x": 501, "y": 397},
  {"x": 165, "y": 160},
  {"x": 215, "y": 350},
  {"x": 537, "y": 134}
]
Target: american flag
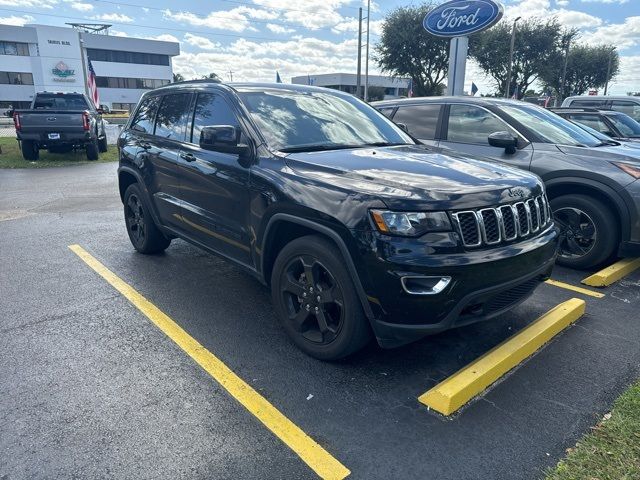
[
  {"x": 93, "y": 88},
  {"x": 410, "y": 88}
]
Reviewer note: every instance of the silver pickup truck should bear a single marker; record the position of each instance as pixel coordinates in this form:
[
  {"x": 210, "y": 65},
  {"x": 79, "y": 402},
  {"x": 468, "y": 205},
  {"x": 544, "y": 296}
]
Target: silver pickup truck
[{"x": 60, "y": 122}]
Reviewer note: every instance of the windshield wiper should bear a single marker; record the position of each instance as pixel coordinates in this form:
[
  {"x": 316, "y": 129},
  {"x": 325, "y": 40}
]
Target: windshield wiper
[
  {"x": 317, "y": 147},
  {"x": 385, "y": 144}
]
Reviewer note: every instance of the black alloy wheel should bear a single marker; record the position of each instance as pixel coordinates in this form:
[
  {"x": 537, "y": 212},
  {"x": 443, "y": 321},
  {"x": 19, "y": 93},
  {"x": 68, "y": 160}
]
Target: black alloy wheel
[
  {"x": 578, "y": 232},
  {"x": 313, "y": 298},
  {"x": 316, "y": 300},
  {"x": 589, "y": 230},
  {"x": 143, "y": 232},
  {"x": 134, "y": 215}
]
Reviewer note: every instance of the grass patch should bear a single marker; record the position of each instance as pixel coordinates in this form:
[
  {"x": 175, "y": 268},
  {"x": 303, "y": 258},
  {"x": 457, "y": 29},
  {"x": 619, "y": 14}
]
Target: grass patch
[
  {"x": 11, "y": 157},
  {"x": 612, "y": 450}
]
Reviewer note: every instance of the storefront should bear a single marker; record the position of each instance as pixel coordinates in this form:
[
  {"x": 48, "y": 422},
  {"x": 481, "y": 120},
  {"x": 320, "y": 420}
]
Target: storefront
[{"x": 37, "y": 58}]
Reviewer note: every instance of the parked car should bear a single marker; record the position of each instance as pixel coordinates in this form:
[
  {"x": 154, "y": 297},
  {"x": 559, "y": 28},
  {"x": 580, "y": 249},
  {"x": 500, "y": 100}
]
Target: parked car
[
  {"x": 356, "y": 228},
  {"x": 592, "y": 185},
  {"x": 625, "y": 104},
  {"x": 60, "y": 122},
  {"x": 617, "y": 125}
]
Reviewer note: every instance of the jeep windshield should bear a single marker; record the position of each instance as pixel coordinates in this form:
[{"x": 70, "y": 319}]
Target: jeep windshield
[
  {"x": 302, "y": 121},
  {"x": 551, "y": 128}
]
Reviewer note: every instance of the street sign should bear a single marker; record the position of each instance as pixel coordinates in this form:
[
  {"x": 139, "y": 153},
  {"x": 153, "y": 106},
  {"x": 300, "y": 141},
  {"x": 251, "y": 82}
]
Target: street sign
[{"x": 462, "y": 17}]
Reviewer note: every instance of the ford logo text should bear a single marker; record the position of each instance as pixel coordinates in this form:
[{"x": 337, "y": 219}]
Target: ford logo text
[{"x": 462, "y": 17}]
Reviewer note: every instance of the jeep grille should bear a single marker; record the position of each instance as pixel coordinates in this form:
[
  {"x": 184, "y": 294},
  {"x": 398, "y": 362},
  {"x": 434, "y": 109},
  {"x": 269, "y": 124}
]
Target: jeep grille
[{"x": 504, "y": 223}]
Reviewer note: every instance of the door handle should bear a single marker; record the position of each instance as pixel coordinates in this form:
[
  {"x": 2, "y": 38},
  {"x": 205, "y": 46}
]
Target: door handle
[
  {"x": 145, "y": 146},
  {"x": 189, "y": 157}
]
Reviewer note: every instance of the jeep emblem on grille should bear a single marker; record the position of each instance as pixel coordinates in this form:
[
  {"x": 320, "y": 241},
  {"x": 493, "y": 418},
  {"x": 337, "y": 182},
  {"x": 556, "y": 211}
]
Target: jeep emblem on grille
[{"x": 516, "y": 193}]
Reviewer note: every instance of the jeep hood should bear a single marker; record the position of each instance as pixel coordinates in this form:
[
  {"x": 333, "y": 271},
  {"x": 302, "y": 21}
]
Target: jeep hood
[{"x": 417, "y": 177}]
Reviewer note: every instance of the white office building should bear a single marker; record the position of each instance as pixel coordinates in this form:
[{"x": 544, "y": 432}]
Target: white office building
[
  {"x": 37, "y": 58},
  {"x": 347, "y": 82}
]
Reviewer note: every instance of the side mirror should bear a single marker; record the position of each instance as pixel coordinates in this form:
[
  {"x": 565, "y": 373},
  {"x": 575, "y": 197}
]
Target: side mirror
[
  {"x": 403, "y": 127},
  {"x": 504, "y": 140},
  {"x": 224, "y": 139}
]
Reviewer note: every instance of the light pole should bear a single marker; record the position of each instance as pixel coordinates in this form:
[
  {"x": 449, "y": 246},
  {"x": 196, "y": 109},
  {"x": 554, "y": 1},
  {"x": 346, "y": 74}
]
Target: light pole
[
  {"x": 606, "y": 85},
  {"x": 513, "y": 41},
  {"x": 564, "y": 68},
  {"x": 366, "y": 60},
  {"x": 359, "y": 74}
]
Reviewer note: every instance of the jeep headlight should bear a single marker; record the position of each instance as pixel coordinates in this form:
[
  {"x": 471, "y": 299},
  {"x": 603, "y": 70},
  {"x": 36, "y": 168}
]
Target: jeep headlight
[{"x": 410, "y": 224}]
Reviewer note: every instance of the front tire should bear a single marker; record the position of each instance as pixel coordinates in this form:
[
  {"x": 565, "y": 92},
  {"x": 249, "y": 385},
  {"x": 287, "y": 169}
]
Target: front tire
[
  {"x": 316, "y": 301},
  {"x": 30, "y": 150},
  {"x": 589, "y": 231},
  {"x": 143, "y": 232}
]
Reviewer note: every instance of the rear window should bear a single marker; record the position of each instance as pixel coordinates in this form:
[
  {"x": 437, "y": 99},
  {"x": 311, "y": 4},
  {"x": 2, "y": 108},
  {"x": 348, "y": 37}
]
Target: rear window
[
  {"x": 588, "y": 103},
  {"x": 420, "y": 120},
  {"x": 60, "y": 102}
]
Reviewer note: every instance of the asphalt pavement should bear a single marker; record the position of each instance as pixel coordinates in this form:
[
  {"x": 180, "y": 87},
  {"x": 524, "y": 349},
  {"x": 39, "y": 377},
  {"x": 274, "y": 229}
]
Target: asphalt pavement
[{"x": 92, "y": 389}]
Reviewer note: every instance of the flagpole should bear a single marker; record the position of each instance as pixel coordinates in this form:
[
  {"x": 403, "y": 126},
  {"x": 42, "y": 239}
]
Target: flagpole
[{"x": 85, "y": 73}]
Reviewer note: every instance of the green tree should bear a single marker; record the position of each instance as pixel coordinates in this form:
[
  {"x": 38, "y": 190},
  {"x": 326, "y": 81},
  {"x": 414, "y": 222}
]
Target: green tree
[
  {"x": 586, "y": 69},
  {"x": 538, "y": 45},
  {"x": 406, "y": 49},
  {"x": 178, "y": 77}
]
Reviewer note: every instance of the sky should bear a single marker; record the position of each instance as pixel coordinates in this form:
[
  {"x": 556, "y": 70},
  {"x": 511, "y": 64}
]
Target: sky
[{"x": 249, "y": 40}]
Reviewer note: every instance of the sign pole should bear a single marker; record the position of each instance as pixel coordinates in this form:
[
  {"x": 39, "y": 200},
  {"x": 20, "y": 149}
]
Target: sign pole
[{"x": 458, "y": 49}]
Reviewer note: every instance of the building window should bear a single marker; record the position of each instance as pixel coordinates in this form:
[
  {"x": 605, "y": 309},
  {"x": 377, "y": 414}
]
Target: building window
[
  {"x": 17, "y": 104},
  {"x": 16, "y": 78},
  {"x": 14, "y": 48},
  {"x": 134, "y": 83},
  {"x": 119, "y": 56}
]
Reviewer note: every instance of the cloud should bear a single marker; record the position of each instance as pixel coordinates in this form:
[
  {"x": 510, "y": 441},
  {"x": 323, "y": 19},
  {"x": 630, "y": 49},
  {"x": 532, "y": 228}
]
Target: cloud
[
  {"x": 623, "y": 35},
  {"x": 80, "y": 6},
  {"x": 351, "y": 25},
  {"x": 275, "y": 28},
  {"x": 113, "y": 17},
  {"x": 48, "y": 4},
  {"x": 628, "y": 80},
  {"x": 606, "y": 1},
  {"x": 542, "y": 9},
  {"x": 16, "y": 21},
  {"x": 236, "y": 20},
  {"x": 315, "y": 14},
  {"x": 163, "y": 37},
  {"x": 201, "y": 42}
]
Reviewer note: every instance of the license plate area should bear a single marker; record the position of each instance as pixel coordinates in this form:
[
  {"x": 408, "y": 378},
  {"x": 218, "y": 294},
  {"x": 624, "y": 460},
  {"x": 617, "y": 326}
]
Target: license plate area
[{"x": 54, "y": 136}]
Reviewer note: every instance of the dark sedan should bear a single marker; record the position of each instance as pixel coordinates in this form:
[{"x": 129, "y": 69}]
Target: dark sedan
[{"x": 616, "y": 125}]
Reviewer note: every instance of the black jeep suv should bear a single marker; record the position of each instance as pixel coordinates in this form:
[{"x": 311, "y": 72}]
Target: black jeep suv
[{"x": 357, "y": 229}]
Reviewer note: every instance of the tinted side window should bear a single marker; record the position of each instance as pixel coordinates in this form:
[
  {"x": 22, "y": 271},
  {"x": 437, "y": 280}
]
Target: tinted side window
[
  {"x": 421, "y": 120},
  {"x": 588, "y": 103},
  {"x": 469, "y": 124},
  {"x": 211, "y": 109},
  {"x": 630, "y": 108},
  {"x": 592, "y": 121},
  {"x": 143, "y": 122},
  {"x": 173, "y": 116}
]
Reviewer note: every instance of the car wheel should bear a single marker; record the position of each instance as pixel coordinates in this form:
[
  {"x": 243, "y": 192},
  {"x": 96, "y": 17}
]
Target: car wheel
[
  {"x": 92, "y": 150},
  {"x": 143, "y": 232},
  {"x": 102, "y": 144},
  {"x": 316, "y": 301},
  {"x": 30, "y": 150},
  {"x": 588, "y": 231}
]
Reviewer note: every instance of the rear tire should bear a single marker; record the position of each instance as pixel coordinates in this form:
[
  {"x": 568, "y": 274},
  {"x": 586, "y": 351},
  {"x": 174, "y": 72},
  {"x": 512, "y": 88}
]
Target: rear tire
[
  {"x": 316, "y": 300},
  {"x": 102, "y": 144},
  {"x": 92, "y": 150},
  {"x": 589, "y": 231},
  {"x": 143, "y": 232},
  {"x": 30, "y": 150}
]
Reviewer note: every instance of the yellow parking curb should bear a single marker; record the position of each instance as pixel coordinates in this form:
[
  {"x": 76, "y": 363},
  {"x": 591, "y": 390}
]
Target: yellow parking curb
[
  {"x": 454, "y": 392},
  {"x": 613, "y": 273},
  {"x": 573, "y": 288}
]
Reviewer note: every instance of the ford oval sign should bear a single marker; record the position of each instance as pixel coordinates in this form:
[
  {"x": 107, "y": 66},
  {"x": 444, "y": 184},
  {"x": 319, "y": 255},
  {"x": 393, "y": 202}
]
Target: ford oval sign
[{"x": 462, "y": 17}]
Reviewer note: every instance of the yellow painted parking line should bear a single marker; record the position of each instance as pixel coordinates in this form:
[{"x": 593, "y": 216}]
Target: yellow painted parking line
[
  {"x": 454, "y": 392},
  {"x": 573, "y": 288},
  {"x": 316, "y": 457},
  {"x": 612, "y": 273}
]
